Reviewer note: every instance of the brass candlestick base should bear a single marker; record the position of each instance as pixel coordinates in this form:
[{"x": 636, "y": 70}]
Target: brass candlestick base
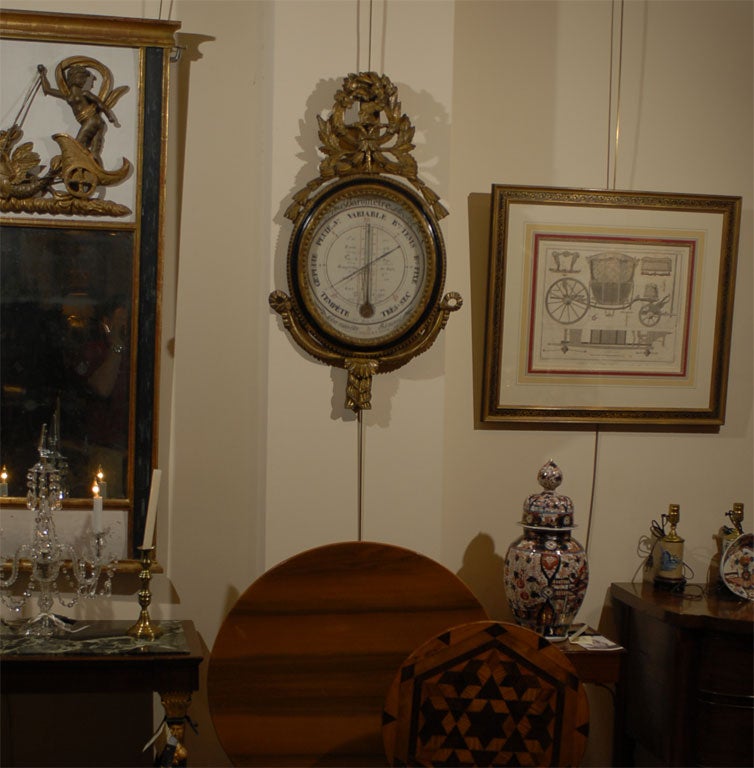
[{"x": 144, "y": 627}]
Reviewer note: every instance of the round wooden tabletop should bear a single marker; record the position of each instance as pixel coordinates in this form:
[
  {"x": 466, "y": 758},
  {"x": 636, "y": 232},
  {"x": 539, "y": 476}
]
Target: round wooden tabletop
[{"x": 300, "y": 668}]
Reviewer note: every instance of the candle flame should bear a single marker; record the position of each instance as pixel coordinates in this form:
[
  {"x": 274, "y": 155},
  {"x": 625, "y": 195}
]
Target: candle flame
[
  {"x": 3, "y": 475},
  {"x": 95, "y": 489}
]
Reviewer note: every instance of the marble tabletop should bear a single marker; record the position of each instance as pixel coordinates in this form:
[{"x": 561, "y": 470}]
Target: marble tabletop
[{"x": 93, "y": 638}]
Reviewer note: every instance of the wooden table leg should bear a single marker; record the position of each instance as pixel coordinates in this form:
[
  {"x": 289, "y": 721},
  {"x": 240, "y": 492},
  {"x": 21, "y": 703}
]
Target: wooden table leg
[{"x": 622, "y": 743}]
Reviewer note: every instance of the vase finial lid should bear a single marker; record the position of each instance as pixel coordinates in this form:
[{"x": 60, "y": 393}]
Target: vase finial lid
[
  {"x": 548, "y": 509},
  {"x": 550, "y": 476}
]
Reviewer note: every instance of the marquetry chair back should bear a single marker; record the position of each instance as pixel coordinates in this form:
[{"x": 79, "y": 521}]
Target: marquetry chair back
[
  {"x": 299, "y": 670},
  {"x": 486, "y": 693}
]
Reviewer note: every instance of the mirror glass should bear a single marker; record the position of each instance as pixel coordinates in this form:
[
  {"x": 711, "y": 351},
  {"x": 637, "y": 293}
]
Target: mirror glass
[{"x": 66, "y": 318}]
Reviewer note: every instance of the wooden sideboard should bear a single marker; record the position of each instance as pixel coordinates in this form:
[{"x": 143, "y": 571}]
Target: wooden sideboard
[
  {"x": 688, "y": 693},
  {"x": 111, "y": 671}
]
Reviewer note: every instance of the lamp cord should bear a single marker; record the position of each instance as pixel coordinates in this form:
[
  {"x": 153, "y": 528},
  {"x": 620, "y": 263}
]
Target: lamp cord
[{"x": 591, "y": 496}]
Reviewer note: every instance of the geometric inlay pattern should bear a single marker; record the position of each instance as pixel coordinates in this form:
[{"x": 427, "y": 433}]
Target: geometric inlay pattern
[{"x": 483, "y": 694}]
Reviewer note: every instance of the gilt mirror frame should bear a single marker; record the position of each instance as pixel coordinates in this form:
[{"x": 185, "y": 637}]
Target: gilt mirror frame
[{"x": 82, "y": 198}]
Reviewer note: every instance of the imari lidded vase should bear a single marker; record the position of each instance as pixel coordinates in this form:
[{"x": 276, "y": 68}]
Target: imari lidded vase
[{"x": 546, "y": 572}]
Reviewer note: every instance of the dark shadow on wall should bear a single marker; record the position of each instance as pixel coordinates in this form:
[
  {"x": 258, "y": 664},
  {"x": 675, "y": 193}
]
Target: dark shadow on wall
[
  {"x": 482, "y": 572},
  {"x": 479, "y": 213},
  {"x": 188, "y": 53}
]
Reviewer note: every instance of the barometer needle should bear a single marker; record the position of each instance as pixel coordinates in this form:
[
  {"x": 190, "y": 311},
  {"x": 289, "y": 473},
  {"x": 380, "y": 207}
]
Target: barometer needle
[{"x": 364, "y": 266}]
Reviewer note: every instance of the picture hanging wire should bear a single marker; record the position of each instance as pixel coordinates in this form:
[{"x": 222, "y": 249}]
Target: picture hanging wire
[
  {"x": 170, "y": 11},
  {"x": 371, "y": 27},
  {"x": 177, "y": 50},
  {"x": 613, "y": 142},
  {"x": 369, "y": 48},
  {"x": 359, "y": 35}
]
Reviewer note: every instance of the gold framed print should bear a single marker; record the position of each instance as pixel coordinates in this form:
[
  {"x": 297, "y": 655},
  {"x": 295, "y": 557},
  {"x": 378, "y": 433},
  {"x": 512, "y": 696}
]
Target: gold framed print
[{"x": 608, "y": 307}]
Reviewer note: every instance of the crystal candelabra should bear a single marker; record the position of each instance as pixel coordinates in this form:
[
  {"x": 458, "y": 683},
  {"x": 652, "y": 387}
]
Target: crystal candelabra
[
  {"x": 55, "y": 458},
  {"x": 87, "y": 574}
]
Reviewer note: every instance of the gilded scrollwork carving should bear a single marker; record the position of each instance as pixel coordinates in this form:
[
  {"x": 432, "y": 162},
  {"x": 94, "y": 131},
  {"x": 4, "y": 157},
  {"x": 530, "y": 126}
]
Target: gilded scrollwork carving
[
  {"x": 361, "y": 370},
  {"x": 368, "y": 145},
  {"x": 359, "y": 385},
  {"x": 176, "y": 705},
  {"x": 67, "y": 185},
  {"x": 282, "y": 304},
  {"x": 451, "y": 302}
]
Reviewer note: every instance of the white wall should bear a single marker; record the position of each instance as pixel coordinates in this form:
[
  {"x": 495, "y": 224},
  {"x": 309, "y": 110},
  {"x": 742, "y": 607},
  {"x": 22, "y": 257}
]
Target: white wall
[
  {"x": 261, "y": 455},
  {"x": 536, "y": 79}
]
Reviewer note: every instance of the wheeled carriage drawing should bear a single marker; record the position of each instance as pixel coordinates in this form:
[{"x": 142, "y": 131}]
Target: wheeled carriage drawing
[{"x": 611, "y": 287}]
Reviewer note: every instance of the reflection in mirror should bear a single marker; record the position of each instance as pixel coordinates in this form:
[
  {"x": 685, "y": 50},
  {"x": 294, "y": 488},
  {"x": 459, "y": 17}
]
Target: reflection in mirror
[{"x": 66, "y": 298}]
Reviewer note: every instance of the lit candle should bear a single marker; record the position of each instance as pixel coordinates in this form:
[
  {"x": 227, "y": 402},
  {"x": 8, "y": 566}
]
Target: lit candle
[
  {"x": 101, "y": 482},
  {"x": 4, "y": 482},
  {"x": 154, "y": 493},
  {"x": 96, "y": 509}
]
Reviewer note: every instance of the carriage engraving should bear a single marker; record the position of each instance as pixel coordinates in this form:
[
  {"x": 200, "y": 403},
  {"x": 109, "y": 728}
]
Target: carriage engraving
[{"x": 611, "y": 287}]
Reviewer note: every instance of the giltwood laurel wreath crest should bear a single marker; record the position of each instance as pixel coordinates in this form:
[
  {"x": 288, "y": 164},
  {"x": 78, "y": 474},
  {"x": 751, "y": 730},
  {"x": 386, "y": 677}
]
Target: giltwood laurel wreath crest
[{"x": 367, "y": 145}]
